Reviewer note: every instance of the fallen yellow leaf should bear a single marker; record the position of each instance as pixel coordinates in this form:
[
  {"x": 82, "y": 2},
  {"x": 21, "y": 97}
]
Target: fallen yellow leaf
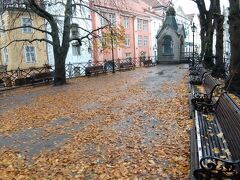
[{"x": 216, "y": 150}]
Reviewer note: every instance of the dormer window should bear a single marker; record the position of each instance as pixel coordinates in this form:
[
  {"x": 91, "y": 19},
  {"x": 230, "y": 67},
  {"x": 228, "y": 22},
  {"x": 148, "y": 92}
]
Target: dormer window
[{"x": 74, "y": 30}]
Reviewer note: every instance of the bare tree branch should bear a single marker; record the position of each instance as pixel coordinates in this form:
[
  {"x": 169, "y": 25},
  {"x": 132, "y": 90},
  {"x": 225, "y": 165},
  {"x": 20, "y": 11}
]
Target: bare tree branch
[
  {"x": 27, "y": 40},
  {"x": 94, "y": 10},
  {"x": 21, "y": 27}
]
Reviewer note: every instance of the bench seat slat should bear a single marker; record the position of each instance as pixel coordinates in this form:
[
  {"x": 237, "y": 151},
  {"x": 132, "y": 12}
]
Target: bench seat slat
[
  {"x": 210, "y": 140},
  {"x": 229, "y": 119}
]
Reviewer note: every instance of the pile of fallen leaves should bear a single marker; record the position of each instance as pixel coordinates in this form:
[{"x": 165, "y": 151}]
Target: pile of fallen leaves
[
  {"x": 129, "y": 133},
  {"x": 236, "y": 99}
]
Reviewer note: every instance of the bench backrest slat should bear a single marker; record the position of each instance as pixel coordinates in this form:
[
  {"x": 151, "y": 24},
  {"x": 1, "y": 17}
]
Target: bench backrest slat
[
  {"x": 210, "y": 83},
  {"x": 228, "y": 115}
]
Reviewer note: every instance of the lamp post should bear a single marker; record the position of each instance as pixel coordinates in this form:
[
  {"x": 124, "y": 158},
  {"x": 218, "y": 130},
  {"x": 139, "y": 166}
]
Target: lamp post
[
  {"x": 113, "y": 63},
  {"x": 155, "y": 52},
  {"x": 193, "y": 30}
]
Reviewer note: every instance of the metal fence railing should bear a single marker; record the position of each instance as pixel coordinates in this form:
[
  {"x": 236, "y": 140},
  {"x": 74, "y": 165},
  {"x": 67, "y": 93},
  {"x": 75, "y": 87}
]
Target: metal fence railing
[{"x": 9, "y": 78}]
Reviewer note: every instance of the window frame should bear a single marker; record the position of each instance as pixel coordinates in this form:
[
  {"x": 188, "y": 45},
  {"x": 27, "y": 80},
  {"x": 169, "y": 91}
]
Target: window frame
[
  {"x": 127, "y": 40},
  {"x": 76, "y": 49},
  {"x": 103, "y": 20},
  {"x": 104, "y": 40},
  {"x": 145, "y": 41},
  {"x": 35, "y": 54},
  {"x": 112, "y": 18},
  {"x": 145, "y": 25},
  {"x": 3, "y": 26},
  {"x": 5, "y": 55},
  {"x": 24, "y": 28},
  {"x": 139, "y": 24},
  {"x": 139, "y": 39},
  {"x": 126, "y": 22},
  {"x": 75, "y": 30}
]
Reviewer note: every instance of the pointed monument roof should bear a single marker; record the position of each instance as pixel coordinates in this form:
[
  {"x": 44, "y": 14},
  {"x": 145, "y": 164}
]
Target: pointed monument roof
[{"x": 170, "y": 20}]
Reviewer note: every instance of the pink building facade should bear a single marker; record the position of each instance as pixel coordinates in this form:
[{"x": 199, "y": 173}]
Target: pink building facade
[{"x": 137, "y": 26}]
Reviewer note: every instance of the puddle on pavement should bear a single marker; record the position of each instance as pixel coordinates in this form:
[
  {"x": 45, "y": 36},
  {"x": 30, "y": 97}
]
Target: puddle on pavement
[
  {"x": 91, "y": 105},
  {"x": 31, "y": 142}
]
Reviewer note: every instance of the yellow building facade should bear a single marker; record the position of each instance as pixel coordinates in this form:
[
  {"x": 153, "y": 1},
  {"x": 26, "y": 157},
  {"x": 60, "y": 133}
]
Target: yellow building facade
[{"x": 16, "y": 50}]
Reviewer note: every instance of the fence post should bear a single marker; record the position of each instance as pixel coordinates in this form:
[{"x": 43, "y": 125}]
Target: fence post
[{"x": 70, "y": 69}]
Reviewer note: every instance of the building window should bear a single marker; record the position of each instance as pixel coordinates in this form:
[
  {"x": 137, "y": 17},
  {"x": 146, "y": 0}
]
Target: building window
[
  {"x": 145, "y": 25},
  {"x": 104, "y": 19},
  {"x": 167, "y": 45},
  {"x": 104, "y": 40},
  {"x": 126, "y": 22},
  {"x": 139, "y": 41},
  {"x": 139, "y": 24},
  {"x": 76, "y": 49},
  {"x": 112, "y": 19},
  {"x": 127, "y": 40},
  {"x": 26, "y": 22},
  {"x": 145, "y": 42},
  {"x": 128, "y": 55},
  {"x": 30, "y": 54},
  {"x": 74, "y": 30},
  {"x": 5, "y": 55},
  {"x": 3, "y": 26}
]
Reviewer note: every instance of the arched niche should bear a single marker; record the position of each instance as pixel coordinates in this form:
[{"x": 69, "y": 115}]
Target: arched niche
[{"x": 167, "y": 45}]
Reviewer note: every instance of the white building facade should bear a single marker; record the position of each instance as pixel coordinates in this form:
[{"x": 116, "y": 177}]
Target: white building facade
[
  {"x": 81, "y": 26},
  {"x": 156, "y": 24},
  {"x": 187, "y": 20}
]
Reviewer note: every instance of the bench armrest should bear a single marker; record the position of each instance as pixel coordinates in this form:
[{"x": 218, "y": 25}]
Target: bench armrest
[{"x": 212, "y": 167}]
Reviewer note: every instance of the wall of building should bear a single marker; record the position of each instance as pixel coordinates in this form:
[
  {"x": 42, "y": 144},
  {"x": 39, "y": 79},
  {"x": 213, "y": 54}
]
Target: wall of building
[
  {"x": 81, "y": 17},
  {"x": 175, "y": 56},
  {"x": 16, "y": 51},
  {"x": 187, "y": 20},
  {"x": 156, "y": 24},
  {"x": 132, "y": 31}
]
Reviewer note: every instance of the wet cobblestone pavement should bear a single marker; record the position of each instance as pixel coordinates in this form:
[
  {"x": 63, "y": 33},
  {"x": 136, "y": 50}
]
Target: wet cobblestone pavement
[{"x": 111, "y": 126}]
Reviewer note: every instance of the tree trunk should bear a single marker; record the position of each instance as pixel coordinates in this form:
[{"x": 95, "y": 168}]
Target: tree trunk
[
  {"x": 60, "y": 73},
  {"x": 234, "y": 30},
  {"x": 219, "y": 70},
  {"x": 60, "y": 51},
  {"x": 60, "y": 54},
  {"x": 208, "y": 60},
  {"x": 207, "y": 29},
  {"x": 203, "y": 37}
]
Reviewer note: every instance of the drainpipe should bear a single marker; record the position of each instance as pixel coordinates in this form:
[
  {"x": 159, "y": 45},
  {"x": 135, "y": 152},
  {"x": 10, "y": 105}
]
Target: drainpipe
[
  {"x": 134, "y": 45},
  {"x": 46, "y": 42}
]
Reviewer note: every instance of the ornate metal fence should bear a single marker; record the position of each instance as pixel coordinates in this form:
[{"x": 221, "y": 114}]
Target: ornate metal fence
[{"x": 9, "y": 78}]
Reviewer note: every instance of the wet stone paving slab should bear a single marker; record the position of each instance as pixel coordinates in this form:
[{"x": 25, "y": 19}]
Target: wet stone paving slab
[{"x": 131, "y": 124}]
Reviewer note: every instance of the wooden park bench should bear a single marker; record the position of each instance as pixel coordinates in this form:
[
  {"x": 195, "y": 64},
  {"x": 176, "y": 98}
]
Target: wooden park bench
[
  {"x": 197, "y": 99},
  {"x": 41, "y": 77},
  {"x": 215, "y": 142},
  {"x": 126, "y": 66},
  {"x": 198, "y": 78},
  {"x": 2, "y": 83},
  {"x": 196, "y": 70},
  {"x": 148, "y": 63},
  {"x": 94, "y": 70},
  {"x": 23, "y": 81}
]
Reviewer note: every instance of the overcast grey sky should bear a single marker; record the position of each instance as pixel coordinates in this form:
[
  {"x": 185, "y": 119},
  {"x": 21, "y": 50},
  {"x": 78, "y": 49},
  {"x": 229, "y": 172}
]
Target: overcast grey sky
[{"x": 190, "y": 7}]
